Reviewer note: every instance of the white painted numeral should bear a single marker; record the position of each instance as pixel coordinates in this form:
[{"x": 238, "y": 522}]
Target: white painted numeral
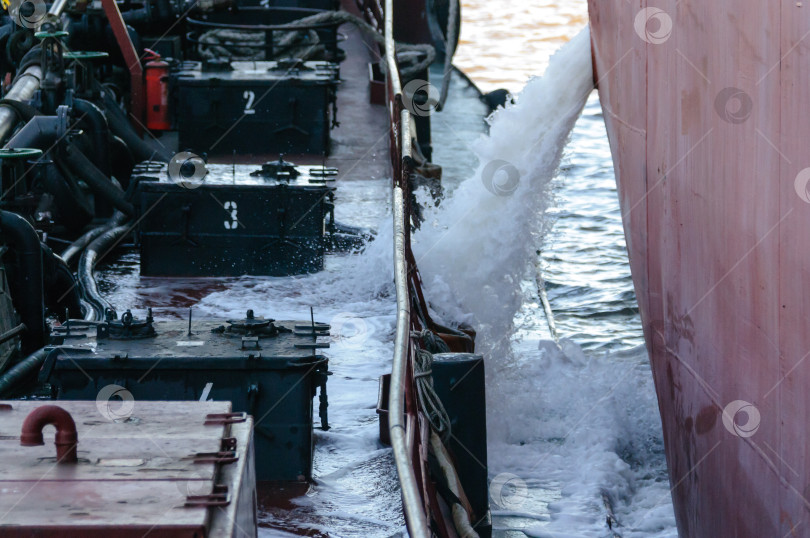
[
  {"x": 249, "y": 96},
  {"x": 231, "y": 206}
]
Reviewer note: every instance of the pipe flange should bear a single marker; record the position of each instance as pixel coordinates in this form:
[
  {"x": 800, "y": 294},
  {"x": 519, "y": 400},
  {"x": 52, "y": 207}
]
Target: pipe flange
[
  {"x": 20, "y": 153},
  {"x": 62, "y": 115}
]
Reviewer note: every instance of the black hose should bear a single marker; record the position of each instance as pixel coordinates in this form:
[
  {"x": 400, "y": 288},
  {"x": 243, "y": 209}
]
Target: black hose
[
  {"x": 79, "y": 244},
  {"x": 122, "y": 161},
  {"x": 92, "y": 255},
  {"x": 119, "y": 125},
  {"x": 74, "y": 209},
  {"x": 11, "y": 333},
  {"x": 42, "y": 132},
  {"x": 99, "y": 183},
  {"x": 137, "y": 17},
  {"x": 19, "y": 45},
  {"x": 89, "y": 312},
  {"x": 27, "y": 284},
  {"x": 24, "y": 369},
  {"x": 7, "y": 27},
  {"x": 99, "y": 132},
  {"x": 61, "y": 289},
  {"x": 33, "y": 56},
  {"x": 66, "y": 291}
]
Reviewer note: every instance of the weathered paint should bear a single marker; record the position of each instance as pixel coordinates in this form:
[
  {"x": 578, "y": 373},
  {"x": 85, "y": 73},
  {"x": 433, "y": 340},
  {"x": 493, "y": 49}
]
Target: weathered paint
[
  {"x": 133, "y": 475},
  {"x": 718, "y": 244}
]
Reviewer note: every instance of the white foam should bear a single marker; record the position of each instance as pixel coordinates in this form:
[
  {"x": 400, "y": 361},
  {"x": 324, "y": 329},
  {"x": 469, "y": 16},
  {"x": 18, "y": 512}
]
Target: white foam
[
  {"x": 573, "y": 429},
  {"x": 478, "y": 245}
]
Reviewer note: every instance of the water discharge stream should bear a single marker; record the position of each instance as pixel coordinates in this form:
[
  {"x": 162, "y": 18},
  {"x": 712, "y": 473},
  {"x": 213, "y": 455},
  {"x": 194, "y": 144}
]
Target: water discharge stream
[
  {"x": 573, "y": 435},
  {"x": 484, "y": 238}
]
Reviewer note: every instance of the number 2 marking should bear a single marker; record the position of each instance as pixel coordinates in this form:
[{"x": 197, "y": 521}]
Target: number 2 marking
[{"x": 250, "y": 97}]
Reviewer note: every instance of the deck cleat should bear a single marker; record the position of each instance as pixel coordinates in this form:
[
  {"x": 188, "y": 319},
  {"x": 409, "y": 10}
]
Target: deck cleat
[
  {"x": 250, "y": 326},
  {"x": 129, "y": 327},
  {"x": 279, "y": 169}
]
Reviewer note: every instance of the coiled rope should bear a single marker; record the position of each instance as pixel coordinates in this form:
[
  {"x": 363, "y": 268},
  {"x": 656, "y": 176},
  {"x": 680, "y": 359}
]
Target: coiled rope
[
  {"x": 429, "y": 401},
  {"x": 431, "y": 342},
  {"x": 244, "y": 42},
  {"x": 248, "y": 45}
]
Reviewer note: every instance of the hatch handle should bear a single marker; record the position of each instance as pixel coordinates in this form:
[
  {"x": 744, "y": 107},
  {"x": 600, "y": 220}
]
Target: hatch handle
[
  {"x": 218, "y": 497},
  {"x": 229, "y": 443},
  {"x": 213, "y": 419},
  {"x": 224, "y": 456}
]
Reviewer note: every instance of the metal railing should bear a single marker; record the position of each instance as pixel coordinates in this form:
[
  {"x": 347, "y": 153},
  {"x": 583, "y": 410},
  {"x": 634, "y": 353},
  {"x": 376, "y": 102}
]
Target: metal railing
[{"x": 401, "y": 426}]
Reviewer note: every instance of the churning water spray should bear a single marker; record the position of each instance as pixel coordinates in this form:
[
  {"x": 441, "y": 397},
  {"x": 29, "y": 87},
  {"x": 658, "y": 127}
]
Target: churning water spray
[
  {"x": 485, "y": 237},
  {"x": 560, "y": 423}
]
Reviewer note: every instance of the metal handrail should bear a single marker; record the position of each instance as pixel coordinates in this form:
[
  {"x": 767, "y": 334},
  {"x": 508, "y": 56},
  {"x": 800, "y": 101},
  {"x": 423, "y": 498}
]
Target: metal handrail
[{"x": 415, "y": 517}]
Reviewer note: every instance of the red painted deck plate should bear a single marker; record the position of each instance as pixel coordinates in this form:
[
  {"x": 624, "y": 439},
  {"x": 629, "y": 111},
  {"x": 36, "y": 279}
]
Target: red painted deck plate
[{"x": 133, "y": 477}]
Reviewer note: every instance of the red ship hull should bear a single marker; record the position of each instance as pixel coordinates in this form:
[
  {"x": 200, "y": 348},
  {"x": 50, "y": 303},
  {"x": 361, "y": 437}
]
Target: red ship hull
[{"x": 705, "y": 108}]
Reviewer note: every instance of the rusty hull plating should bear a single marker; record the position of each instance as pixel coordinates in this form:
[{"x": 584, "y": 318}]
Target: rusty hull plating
[{"x": 705, "y": 106}]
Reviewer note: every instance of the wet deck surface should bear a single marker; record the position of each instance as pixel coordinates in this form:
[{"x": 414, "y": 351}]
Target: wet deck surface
[
  {"x": 360, "y": 143},
  {"x": 359, "y": 147},
  {"x": 137, "y": 465}
]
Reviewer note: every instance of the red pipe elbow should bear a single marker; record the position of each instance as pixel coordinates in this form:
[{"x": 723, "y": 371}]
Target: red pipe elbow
[{"x": 66, "y": 436}]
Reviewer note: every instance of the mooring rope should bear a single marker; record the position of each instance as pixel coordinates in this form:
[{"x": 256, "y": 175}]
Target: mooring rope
[
  {"x": 223, "y": 42},
  {"x": 429, "y": 401}
]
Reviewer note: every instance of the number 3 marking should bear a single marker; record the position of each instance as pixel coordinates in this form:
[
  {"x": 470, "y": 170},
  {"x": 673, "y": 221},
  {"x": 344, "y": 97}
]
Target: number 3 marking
[{"x": 231, "y": 206}]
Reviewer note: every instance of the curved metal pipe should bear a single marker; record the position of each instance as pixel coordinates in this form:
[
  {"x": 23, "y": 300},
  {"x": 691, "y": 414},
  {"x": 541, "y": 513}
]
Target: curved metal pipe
[
  {"x": 38, "y": 132},
  {"x": 66, "y": 437},
  {"x": 26, "y": 85},
  {"x": 22, "y": 90},
  {"x": 29, "y": 296}
]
